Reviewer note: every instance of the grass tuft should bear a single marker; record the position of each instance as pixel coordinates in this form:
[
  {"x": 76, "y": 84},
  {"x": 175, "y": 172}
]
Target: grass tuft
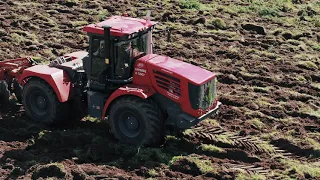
[
  {"x": 301, "y": 169},
  {"x": 219, "y": 23},
  {"x": 190, "y": 4},
  {"x": 308, "y": 65},
  {"x": 211, "y": 148}
]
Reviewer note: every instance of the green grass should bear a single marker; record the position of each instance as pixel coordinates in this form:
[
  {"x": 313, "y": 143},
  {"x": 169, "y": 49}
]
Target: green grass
[
  {"x": 17, "y": 38},
  {"x": 223, "y": 139},
  {"x": 316, "y": 22},
  {"x": 212, "y": 122},
  {"x": 308, "y": 65},
  {"x": 267, "y": 11},
  {"x": 204, "y": 166},
  {"x": 261, "y": 89},
  {"x": 314, "y": 144},
  {"x": 300, "y": 78},
  {"x": 103, "y": 14},
  {"x": 218, "y": 22},
  {"x": 190, "y": 4},
  {"x": 188, "y": 131},
  {"x": 152, "y": 173},
  {"x": 266, "y": 147},
  {"x": 302, "y": 169},
  {"x": 257, "y": 123},
  {"x": 92, "y": 119},
  {"x": 175, "y": 159},
  {"x": 263, "y": 102},
  {"x": 246, "y": 176},
  {"x": 312, "y": 112},
  {"x": 316, "y": 85},
  {"x": 79, "y": 23},
  {"x": 211, "y": 148},
  {"x": 316, "y": 47}
]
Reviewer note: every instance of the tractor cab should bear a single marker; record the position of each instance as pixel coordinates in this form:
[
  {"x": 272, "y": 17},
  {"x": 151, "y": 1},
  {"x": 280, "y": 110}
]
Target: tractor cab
[{"x": 114, "y": 46}]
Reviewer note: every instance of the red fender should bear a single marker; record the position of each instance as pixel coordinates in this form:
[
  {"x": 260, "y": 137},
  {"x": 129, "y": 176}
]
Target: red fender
[
  {"x": 58, "y": 79},
  {"x": 141, "y": 91}
]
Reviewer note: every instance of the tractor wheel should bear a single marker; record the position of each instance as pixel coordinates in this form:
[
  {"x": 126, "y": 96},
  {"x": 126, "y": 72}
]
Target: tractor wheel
[
  {"x": 4, "y": 93},
  {"x": 41, "y": 103},
  {"x": 136, "y": 121}
]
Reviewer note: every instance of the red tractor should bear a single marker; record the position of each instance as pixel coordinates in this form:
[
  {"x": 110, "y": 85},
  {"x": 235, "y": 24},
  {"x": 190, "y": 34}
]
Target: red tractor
[{"x": 140, "y": 93}]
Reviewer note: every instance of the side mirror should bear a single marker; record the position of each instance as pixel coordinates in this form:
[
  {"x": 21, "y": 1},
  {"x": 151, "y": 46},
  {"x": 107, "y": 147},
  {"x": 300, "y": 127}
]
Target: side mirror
[{"x": 168, "y": 33}]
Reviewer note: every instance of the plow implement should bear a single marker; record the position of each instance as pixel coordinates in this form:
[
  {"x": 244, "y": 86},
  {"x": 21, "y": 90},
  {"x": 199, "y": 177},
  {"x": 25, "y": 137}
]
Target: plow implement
[{"x": 10, "y": 72}]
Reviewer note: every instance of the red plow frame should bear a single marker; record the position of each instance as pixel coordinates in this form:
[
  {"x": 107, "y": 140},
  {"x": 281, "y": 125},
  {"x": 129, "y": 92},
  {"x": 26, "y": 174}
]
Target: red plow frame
[
  {"x": 13, "y": 68},
  {"x": 10, "y": 72}
]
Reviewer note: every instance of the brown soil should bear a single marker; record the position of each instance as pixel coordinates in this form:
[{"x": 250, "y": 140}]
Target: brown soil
[{"x": 269, "y": 84}]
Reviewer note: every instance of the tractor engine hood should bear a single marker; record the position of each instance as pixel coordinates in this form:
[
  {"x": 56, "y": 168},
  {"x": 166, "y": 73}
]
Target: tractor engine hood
[{"x": 178, "y": 68}]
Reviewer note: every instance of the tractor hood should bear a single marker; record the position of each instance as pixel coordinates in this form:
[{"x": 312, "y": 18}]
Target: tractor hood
[{"x": 194, "y": 74}]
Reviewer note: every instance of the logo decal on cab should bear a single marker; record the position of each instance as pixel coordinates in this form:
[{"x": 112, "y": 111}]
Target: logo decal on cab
[{"x": 140, "y": 65}]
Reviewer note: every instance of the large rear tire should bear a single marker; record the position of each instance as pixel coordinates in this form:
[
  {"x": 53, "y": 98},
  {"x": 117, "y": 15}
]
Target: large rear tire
[
  {"x": 41, "y": 103},
  {"x": 136, "y": 121}
]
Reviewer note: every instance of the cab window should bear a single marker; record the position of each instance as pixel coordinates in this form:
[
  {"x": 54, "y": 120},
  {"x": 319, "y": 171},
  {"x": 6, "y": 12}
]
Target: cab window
[{"x": 98, "y": 56}]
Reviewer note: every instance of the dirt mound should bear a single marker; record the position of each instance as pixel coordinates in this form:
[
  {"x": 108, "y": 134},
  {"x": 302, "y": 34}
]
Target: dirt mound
[{"x": 49, "y": 170}]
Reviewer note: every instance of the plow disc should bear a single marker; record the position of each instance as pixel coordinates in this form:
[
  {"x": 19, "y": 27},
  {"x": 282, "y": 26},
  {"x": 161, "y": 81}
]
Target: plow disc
[
  {"x": 4, "y": 93},
  {"x": 17, "y": 89}
]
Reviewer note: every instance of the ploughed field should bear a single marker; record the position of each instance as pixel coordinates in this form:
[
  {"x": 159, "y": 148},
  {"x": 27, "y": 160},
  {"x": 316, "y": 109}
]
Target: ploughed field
[{"x": 267, "y": 59}]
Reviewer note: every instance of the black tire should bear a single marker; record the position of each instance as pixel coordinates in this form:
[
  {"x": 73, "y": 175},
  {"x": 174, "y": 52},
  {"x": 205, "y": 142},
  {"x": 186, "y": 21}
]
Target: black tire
[
  {"x": 130, "y": 112},
  {"x": 41, "y": 103},
  {"x": 4, "y": 93}
]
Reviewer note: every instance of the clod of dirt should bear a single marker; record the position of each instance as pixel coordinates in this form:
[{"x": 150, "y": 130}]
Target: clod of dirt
[
  {"x": 50, "y": 170},
  {"x": 32, "y": 47},
  {"x": 78, "y": 174},
  {"x": 288, "y": 146},
  {"x": 297, "y": 1},
  {"x": 230, "y": 79},
  {"x": 308, "y": 11},
  {"x": 186, "y": 166},
  {"x": 167, "y": 16},
  {"x": 17, "y": 171},
  {"x": 201, "y": 20},
  {"x": 68, "y": 3},
  {"x": 253, "y": 27},
  {"x": 318, "y": 37},
  {"x": 192, "y": 165},
  {"x": 287, "y": 35},
  {"x": 7, "y": 166},
  {"x": 2, "y": 33},
  {"x": 19, "y": 155},
  {"x": 304, "y": 34}
]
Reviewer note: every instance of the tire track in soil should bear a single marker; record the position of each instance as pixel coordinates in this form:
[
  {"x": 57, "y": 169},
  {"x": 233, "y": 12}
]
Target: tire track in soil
[{"x": 209, "y": 135}]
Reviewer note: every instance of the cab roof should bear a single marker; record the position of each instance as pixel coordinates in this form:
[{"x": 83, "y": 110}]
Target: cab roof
[{"x": 120, "y": 26}]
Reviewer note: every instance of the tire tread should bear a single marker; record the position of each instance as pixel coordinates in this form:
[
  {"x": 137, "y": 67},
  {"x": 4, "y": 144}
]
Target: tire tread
[{"x": 153, "y": 113}]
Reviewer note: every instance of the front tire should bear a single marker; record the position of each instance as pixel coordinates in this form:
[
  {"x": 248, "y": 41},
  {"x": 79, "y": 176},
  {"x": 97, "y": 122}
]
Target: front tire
[
  {"x": 136, "y": 121},
  {"x": 41, "y": 103}
]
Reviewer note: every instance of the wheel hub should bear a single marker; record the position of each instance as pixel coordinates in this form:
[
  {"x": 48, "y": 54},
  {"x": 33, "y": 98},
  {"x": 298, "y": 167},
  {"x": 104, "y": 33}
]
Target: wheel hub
[
  {"x": 129, "y": 124},
  {"x": 132, "y": 123},
  {"x": 38, "y": 103},
  {"x": 41, "y": 102}
]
